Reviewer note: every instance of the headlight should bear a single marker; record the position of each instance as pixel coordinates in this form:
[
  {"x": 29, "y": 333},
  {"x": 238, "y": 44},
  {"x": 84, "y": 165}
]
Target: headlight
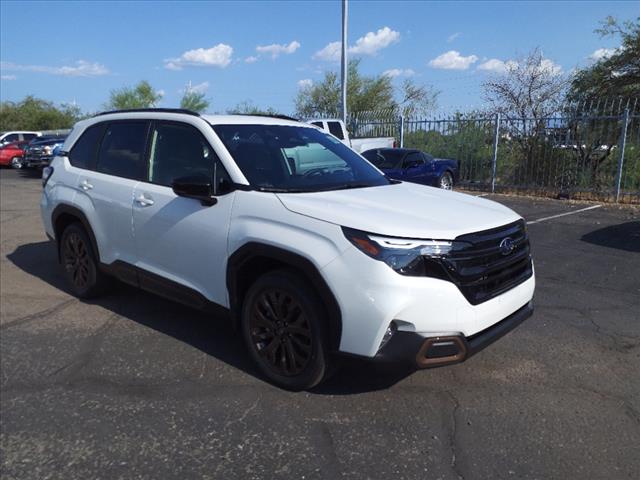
[
  {"x": 47, "y": 150},
  {"x": 405, "y": 256}
]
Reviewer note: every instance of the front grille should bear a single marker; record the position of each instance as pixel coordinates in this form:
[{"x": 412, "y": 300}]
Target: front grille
[{"x": 479, "y": 267}]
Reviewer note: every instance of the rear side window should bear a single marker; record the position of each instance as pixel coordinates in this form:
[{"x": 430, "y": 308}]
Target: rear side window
[
  {"x": 29, "y": 136},
  {"x": 179, "y": 150},
  {"x": 122, "y": 150},
  {"x": 336, "y": 130},
  {"x": 83, "y": 153},
  {"x": 317, "y": 124}
]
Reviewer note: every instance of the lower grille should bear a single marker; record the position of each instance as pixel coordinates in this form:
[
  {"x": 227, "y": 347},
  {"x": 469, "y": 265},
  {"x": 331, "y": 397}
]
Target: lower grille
[{"x": 483, "y": 265}]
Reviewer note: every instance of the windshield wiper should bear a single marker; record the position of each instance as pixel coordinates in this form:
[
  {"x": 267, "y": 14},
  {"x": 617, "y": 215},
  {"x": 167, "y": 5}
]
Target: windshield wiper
[
  {"x": 281, "y": 190},
  {"x": 347, "y": 186}
]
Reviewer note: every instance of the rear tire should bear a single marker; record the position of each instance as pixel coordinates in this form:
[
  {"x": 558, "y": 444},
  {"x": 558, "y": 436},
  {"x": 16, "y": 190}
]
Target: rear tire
[
  {"x": 284, "y": 328},
  {"x": 80, "y": 264}
]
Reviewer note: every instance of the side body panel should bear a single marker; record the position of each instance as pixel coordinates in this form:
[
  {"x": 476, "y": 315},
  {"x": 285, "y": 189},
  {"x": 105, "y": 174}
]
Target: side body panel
[{"x": 182, "y": 240}]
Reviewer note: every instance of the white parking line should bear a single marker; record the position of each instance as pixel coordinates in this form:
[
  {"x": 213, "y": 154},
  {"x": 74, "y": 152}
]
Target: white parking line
[{"x": 563, "y": 214}]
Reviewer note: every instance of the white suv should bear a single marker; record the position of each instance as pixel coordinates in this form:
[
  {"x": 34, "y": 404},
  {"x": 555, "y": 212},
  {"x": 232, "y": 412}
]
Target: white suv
[{"x": 306, "y": 246}]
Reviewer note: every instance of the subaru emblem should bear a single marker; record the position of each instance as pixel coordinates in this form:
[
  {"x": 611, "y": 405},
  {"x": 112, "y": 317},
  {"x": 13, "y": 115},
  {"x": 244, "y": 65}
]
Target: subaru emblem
[{"x": 507, "y": 246}]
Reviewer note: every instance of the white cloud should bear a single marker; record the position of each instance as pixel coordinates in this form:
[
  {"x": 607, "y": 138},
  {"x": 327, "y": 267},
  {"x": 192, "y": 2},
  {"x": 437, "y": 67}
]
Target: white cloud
[
  {"x": 305, "y": 83},
  {"x": 399, "y": 72},
  {"x": 493, "y": 65},
  {"x": 275, "y": 50},
  {"x": 602, "y": 53},
  {"x": 216, "y": 56},
  {"x": 498, "y": 66},
  {"x": 197, "y": 88},
  {"x": 550, "y": 66},
  {"x": 81, "y": 68},
  {"x": 330, "y": 53},
  {"x": 453, "y": 36},
  {"x": 8, "y": 77},
  {"x": 200, "y": 87},
  {"x": 160, "y": 92},
  {"x": 251, "y": 59},
  {"x": 452, "y": 60},
  {"x": 370, "y": 44}
]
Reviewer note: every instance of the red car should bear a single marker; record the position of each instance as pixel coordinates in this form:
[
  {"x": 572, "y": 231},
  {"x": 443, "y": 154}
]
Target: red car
[{"x": 11, "y": 154}]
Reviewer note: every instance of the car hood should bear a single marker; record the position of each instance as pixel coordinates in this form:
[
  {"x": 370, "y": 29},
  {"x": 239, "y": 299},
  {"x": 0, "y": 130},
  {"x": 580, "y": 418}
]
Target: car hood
[{"x": 402, "y": 210}]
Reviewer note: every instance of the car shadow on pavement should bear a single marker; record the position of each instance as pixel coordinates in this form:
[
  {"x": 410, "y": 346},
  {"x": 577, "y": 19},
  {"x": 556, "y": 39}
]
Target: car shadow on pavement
[
  {"x": 625, "y": 236},
  {"x": 213, "y": 336}
]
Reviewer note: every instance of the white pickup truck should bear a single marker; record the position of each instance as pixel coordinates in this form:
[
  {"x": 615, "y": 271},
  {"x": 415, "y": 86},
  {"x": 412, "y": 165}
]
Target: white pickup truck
[{"x": 338, "y": 129}]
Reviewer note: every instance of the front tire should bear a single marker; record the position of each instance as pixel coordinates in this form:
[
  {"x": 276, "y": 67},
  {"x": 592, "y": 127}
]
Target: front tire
[
  {"x": 80, "y": 263},
  {"x": 283, "y": 326},
  {"x": 16, "y": 162},
  {"x": 445, "y": 181}
]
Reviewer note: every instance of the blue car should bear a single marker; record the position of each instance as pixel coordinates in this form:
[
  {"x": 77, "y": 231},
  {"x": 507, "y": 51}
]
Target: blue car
[{"x": 415, "y": 166}]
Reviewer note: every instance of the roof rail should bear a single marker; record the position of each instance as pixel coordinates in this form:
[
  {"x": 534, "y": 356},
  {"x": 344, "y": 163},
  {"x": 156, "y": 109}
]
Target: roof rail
[
  {"x": 268, "y": 115},
  {"x": 151, "y": 110}
]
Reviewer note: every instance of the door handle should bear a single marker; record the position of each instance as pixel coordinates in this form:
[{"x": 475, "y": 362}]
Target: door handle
[
  {"x": 85, "y": 185},
  {"x": 144, "y": 201}
]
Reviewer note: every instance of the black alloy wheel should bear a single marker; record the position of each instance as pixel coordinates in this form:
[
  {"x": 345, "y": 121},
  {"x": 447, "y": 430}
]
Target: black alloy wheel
[
  {"x": 284, "y": 327},
  {"x": 80, "y": 263},
  {"x": 75, "y": 258},
  {"x": 280, "y": 332}
]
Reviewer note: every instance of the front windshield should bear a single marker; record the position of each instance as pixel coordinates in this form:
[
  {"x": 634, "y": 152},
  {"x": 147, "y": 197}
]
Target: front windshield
[{"x": 296, "y": 159}]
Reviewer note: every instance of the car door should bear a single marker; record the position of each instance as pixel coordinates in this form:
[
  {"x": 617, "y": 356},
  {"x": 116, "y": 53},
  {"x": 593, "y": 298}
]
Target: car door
[
  {"x": 106, "y": 191},
  {"x": 180, "y": 239},
  {"x": 413, "y": 167},
  {"x": 431, "y": 174}
]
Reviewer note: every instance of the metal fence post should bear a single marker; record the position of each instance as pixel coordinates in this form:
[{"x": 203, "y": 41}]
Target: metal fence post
[
  {"x": 494, "y": 163},
  {"x": 401, "y": 131},
  {"x": 623, "y": 144}
]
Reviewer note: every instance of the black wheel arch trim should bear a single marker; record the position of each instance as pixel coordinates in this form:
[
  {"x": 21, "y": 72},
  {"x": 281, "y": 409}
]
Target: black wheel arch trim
[
  {"x": 65, "y": 209},
  {"x": 256, "y": 250}
]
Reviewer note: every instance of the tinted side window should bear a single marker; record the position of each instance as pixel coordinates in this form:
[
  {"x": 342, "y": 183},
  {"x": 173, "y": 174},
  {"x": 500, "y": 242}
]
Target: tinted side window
[
  {"x": 317, "y": 124},
  {"x": 29, "y": 136},
  {"x": 370, "y": 155},
  {"x": 180, "y": 150},
  {"x": 14, "y": 137},
  {"x": 427, "y": 157},
  {"x": 83, "y": 153},
  {"x": 412, "y": 159},
  {"x": 122, "y": 150},
  {"x": 336, "y": 130}
]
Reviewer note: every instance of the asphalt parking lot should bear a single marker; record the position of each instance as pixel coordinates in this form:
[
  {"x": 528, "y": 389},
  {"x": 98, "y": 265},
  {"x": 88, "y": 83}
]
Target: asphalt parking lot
[{"x": 134, "y": 386}]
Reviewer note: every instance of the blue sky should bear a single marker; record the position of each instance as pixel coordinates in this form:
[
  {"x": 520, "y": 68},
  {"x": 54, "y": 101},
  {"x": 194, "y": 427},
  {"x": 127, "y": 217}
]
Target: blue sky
[{"x": 263, "y": 51}]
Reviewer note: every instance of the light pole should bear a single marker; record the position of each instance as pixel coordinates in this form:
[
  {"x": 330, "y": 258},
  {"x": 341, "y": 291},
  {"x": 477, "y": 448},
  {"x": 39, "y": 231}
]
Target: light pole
[{"x": 343, "y": 69}]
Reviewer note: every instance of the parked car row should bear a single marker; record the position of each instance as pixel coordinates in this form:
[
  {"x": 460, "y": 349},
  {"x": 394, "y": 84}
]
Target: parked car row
[{"x": 31, "y": 150}]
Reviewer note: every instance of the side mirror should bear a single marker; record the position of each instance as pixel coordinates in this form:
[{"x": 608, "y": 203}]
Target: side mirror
[{"x": 197, "y": 187}]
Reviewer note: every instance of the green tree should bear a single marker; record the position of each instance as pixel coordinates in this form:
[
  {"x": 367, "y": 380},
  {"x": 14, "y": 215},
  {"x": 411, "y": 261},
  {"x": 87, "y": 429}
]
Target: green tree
[
  {"x": 194, "y": 101},
  {"x": 364, "y": 94},
  {"x": 248, "y": 108},
  {"x": 33, "y": 113},
  {"x": 616, "y": 75},
  {"x": 141, "y": 96}
]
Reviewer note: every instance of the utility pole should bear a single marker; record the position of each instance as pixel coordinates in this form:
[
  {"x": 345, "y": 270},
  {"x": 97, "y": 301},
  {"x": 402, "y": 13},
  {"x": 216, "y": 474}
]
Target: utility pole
[{"x": 343, "y": 70}]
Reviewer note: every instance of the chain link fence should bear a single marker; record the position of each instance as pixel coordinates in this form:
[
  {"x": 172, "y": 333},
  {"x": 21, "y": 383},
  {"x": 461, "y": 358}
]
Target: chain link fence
[{"x": 587, "y": 153}]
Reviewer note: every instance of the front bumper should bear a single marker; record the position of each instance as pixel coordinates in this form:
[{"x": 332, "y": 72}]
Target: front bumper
[
  {"x": 411, "y": 348},
  {"x": 36, "y": 161}
]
